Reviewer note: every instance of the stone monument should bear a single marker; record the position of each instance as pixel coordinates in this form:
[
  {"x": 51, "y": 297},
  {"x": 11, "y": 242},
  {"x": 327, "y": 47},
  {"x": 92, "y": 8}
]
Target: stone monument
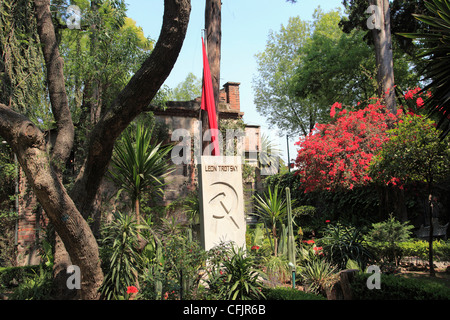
[{"x": 221, "y": 201}]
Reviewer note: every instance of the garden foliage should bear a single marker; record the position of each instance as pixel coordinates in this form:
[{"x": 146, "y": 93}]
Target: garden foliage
[{"x": 338, "y": 154}]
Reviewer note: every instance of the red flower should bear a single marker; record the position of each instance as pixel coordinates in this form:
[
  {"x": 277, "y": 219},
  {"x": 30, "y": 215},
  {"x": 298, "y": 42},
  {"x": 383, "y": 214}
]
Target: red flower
[
  {"x": 419, "y": 102},
  {"x": 332, "y": 111},
  {"x": 255, "y": 248},
  {"x": 318, "y": 250},
  {"x": 409, "y": 95},
  {"x": 132, "y": 289},
  {"x": 327, "y": 221},
  {"x": 308, "y": 241}
]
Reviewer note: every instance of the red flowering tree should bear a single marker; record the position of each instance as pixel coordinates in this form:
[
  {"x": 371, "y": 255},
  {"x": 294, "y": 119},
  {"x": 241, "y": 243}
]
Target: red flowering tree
[{"x": 337, "y": 154}]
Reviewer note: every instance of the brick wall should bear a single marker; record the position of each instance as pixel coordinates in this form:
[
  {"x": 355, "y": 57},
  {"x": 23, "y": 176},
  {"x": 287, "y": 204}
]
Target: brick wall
[
  {"x": 232, "y": 95},
  {"x": 31, "y": 224}
]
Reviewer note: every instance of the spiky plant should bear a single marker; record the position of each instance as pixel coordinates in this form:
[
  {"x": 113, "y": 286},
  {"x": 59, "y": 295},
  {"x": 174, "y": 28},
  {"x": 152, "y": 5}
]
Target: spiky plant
[
  {"x": 139, "y": 165},
  {"x": 436, "y": 53}
]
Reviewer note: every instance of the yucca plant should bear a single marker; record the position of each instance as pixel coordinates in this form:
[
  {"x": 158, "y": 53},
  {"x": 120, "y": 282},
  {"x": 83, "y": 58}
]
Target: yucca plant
[
  {"x": 121, "y": 256},
  {"x": 436, "y": 54},
  {"x": 238, "y": 279},
  {"x": 272, "y": 210},
  {"x": 139, "y": 165},
  {"x": 318, "y": 275},
  {"x": 341, "y": 243}
]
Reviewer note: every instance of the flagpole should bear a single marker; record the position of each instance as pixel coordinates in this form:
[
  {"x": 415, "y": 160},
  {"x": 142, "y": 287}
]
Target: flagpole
[{"x": 204, "y": 36}]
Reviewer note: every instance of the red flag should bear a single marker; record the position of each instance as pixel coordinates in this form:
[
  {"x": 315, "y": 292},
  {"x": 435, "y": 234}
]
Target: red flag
[{"x": 208, "y": 103}]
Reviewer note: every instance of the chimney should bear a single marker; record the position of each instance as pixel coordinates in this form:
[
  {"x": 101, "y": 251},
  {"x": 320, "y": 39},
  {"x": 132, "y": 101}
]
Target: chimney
[{"x": 232, "y": 95}]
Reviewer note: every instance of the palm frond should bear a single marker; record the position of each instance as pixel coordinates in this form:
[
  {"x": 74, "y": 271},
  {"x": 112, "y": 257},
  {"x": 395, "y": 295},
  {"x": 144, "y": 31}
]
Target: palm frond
[{"x": 437, "y": 55}]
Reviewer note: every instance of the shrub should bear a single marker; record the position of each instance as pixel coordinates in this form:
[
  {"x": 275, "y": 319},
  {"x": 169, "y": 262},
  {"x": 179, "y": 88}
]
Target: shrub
[
  {"x": 236, "y": 279},
  {"x": 278, "y": 270},
  {"x": 398, "y": 288},
  {"x": 281, "y": 293},
  {"x": 318, "y": 275},
  {"x": 35, "y": 287},
  {"x": 121, "y": 260},
  {"x": 419, "y": 248},
  {"x": 16, "y": 274},
  {"x": 385, "y": 238},
  {"x": 342, "y": 243}
]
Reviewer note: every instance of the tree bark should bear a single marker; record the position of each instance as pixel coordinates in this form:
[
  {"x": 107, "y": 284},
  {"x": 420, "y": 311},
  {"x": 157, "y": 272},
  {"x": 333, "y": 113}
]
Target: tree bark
[
  {"x": 56, "y": 86},
  {"x": 64, "y": 126},
  {"x": 384, "y": 55},
  {"x": 27, "y": 141},
  {"x": 213, "y": 42},
  {"x": 213, "y": 26}
]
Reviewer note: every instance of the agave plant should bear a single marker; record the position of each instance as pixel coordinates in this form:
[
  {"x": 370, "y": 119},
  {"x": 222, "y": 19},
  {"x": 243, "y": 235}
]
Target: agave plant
[
  {"x": 342, "y": 243},
  {"x": 272, "y": 210},
  {"x": 436, "y": 53},
  {"x": 139, "y": 165},
  {"x": 318, "y": 275}
]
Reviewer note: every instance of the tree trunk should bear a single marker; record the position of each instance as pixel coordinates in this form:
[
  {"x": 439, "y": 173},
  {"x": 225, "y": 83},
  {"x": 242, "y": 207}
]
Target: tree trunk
[
  {"x": 65, "y": 130},
  {"x": 95, "y": 103},
  {"x": 383, "y": 54},
  {"x": 28, "y": 142},
  {"x": 275, "y": 241},
  {"x": 430, "y": 236},
  {"x": 213, "y": 26},
  {"x": 213, "y": 42},
  {"x": 44, "y": 173}
]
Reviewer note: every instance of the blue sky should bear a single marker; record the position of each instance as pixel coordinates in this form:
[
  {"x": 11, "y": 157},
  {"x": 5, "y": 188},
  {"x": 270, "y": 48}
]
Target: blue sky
[{"x": 245, "y": 28}]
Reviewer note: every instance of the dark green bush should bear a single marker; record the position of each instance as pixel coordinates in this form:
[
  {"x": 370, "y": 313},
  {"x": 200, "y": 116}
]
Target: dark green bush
[
  {"x": 342, "y": 243},
  {"x": 281, "y": 293},
  {"x": 399, "y": 288},
  {"x": 419, "y": 248},
  {"x": 11, "y": 275}
]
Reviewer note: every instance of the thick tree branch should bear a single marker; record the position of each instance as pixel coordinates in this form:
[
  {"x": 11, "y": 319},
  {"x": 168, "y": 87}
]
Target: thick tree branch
[
  {"x": 132, "y": 101},
  {"x": 56, "y": 84},
  {"x": 29, "y": 144}
]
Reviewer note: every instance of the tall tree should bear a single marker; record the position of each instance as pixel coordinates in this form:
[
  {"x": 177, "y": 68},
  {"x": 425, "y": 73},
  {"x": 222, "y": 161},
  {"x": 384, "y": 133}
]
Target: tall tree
[
  {"x": 213, "y": 26},
  {"x": 273, "y": 97},
  {"x": 213, "y": 42},
  {"x": 67, "y": 211},
  {"x": 383, "y": 52},
  {"x": 435, "y": 54},
  {"x": 325, "y": 75},
  {"x": 187, "y": 90},
  {"x": 383, "y": 20}
]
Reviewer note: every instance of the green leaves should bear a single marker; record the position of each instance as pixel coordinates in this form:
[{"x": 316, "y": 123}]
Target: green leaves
[
  {"x": 138, "y": 164},
  {"x": 236, "y": 279},
  {"x": 342, "y": 243},
  {"x": 272, "y": 210},
  {"x": 121, "y": 255},
  {"x": 413, "y": 152},
  {"x": 435, "y": 53}
]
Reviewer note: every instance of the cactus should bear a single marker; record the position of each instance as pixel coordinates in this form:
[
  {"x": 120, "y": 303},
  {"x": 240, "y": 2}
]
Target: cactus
[
  {"x": 290, "y": 238},
  {"x": 282, "y": 246},
  {"x": 158, "y": 271}
]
